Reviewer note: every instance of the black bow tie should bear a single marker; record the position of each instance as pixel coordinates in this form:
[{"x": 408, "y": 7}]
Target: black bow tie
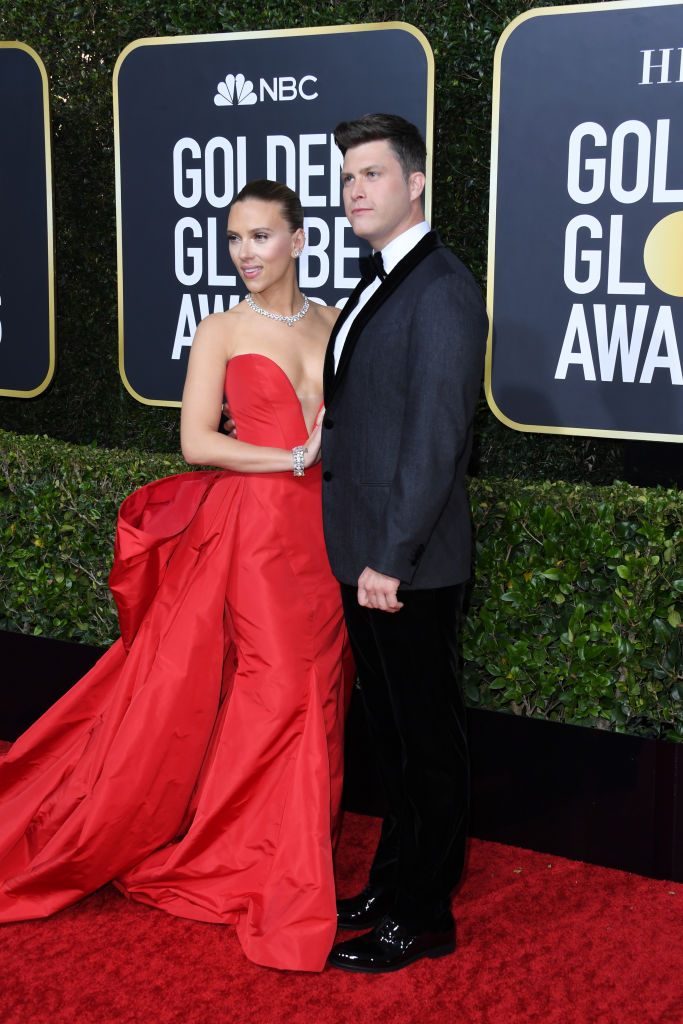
[{"x": 372, "y": 267}]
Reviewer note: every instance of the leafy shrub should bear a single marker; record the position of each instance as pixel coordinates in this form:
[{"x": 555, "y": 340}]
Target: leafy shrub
[
  {"x": 58, "y": 506},
  {"x": 576, "y": 609},
  {"x": 575, "y": 614}
]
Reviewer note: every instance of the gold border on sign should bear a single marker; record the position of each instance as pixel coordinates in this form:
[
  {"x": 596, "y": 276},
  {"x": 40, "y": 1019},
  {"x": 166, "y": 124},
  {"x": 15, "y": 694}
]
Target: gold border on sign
[
  {"x": 8, "y": 392},
  {"x": 236, "y": 36},
  {"x": 614, "y": 5}
]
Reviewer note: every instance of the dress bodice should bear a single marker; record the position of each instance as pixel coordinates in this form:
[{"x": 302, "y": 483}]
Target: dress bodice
[{"x": 263, "y": 402}]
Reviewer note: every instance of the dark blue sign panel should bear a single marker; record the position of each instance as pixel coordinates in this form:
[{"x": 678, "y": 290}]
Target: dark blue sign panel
[
  {"x": 586, "y": 236},
  {"x": 198, "y": 117},
  {"x": 27, "y": 355}
]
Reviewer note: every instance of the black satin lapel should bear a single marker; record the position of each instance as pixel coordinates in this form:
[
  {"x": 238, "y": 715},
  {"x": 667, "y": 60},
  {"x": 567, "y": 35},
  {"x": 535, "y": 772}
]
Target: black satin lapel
[
  {"x": 328, "y": 366},
  {"x": 426, "y": 245}
]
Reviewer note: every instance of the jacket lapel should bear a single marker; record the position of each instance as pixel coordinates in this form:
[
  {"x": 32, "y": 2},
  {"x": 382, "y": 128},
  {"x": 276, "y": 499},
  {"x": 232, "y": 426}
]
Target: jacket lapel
[
  {"x": 426, "y": 245},
  {"x": 328, "y": 366}
]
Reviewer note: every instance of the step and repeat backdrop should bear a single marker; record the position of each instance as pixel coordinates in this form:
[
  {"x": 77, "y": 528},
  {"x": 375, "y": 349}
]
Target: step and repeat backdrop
[
  {"x": 27, "y": 353},
  {"x": 585, "y": 285},
  {"x": 585, "y": 279}
]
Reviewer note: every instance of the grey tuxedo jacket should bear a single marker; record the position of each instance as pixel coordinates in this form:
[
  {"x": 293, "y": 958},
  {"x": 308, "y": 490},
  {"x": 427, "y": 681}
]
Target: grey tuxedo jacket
[{"x": 397, "y": 432}]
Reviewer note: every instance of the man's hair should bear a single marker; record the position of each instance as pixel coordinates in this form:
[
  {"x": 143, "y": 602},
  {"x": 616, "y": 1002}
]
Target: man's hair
[
  {"x": 275, "y": 192},
  {"x": 403, "y": 137}
]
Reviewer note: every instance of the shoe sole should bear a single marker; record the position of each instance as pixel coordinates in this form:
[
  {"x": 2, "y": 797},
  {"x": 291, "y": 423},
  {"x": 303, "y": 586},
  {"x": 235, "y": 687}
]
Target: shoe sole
[{"x": 428, "y": 954}]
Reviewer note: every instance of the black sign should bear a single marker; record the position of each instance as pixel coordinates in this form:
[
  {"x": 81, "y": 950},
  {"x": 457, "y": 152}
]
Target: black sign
[
  {"x": 198, "y": 117},
  {"x": 586, "y": 240},
  {"x": 26, "y": 257}
]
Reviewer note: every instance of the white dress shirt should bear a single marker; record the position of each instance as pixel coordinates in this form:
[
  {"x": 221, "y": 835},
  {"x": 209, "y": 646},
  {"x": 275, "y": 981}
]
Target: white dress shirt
[{"x": 392, "y": 253}]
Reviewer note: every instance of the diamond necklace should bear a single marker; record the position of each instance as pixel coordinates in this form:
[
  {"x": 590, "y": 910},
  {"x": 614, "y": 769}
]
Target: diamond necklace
[{"x": 289, "y": 320}]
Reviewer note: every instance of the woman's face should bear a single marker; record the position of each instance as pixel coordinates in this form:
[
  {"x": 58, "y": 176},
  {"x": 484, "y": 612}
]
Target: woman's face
[{"x": 261, "y": 242}]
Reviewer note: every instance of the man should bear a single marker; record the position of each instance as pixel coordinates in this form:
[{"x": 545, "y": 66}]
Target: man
[{"x": 402, "y": 377}]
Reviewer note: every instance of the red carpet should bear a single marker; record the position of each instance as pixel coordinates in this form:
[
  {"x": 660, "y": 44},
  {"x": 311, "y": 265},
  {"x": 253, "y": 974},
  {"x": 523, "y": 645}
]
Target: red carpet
[{"x": 541, "y": 940}]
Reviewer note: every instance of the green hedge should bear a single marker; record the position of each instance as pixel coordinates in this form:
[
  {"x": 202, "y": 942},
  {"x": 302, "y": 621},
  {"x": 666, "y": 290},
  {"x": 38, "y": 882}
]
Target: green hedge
[
  {"x": 577, "y": 603},
  {"x": 575, "y": 613},
  {"x": 58, "y": 506},
  {"x": 79, "y": 44}
]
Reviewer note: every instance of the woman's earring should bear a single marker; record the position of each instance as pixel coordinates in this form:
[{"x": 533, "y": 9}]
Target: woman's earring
[{"x": 296, "y": 253}]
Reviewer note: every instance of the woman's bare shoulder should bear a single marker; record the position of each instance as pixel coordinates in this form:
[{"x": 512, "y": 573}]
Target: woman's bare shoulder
[
  {"x": 221, "y": 329},
  {"x": 329, "y": 314}
]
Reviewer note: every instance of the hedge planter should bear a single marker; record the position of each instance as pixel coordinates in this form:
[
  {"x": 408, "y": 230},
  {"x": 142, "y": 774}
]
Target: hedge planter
[{"x": 575, "y": 614}]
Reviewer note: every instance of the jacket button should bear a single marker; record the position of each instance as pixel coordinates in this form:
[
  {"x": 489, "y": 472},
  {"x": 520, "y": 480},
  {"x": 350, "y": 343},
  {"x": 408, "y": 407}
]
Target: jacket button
[
  {"x": 327, "y": 422},
  {"x": 327, "y": 475},
  {"x": 417, "y": 554}
]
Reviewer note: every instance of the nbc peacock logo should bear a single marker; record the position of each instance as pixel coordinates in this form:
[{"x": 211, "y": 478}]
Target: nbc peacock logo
[
  {"x": 238, "y": 91},
  {"x": 235, "y": 91}
]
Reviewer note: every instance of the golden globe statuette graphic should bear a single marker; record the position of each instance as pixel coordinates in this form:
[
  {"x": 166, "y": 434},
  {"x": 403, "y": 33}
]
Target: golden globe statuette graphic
[{"x": 663, "y": 254}]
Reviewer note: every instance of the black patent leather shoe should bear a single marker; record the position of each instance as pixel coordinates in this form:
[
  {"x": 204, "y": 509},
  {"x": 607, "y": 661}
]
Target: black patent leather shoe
[
  {"x": 391, "y": 946},
  {"x": 364, "y": 910}
]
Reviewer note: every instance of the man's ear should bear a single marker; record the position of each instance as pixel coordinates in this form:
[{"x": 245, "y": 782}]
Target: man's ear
[{"x": 416, "y": 183}]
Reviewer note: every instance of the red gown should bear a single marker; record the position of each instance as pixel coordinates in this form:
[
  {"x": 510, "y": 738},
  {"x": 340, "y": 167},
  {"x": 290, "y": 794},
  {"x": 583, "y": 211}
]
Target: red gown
[{"x": 199, "y": 763}]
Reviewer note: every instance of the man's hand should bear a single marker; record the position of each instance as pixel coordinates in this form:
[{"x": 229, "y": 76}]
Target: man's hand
[
  {"x": 375, "y": 590},
  {"x": 228, "y": 423},
  {"x": 312, "y": 445}
]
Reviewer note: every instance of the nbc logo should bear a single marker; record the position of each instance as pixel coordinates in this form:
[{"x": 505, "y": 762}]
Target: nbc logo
[{"x": 238, "y": 91}]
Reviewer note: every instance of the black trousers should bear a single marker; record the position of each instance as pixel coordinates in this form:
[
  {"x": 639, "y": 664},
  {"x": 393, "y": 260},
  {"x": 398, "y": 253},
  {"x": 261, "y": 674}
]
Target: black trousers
[{"x": 407, "y": 664}]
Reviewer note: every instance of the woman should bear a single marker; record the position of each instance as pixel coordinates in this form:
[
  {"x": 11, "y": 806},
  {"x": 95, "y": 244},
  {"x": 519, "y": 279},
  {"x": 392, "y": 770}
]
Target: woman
[{"x": 199, "y": 763}]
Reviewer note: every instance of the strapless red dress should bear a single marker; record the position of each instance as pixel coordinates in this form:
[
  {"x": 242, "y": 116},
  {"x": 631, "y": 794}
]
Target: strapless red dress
[{"x": 199, "y": 763}]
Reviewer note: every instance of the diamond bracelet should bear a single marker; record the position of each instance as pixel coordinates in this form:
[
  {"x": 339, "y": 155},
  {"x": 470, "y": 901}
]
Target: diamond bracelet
[{"x": 298, "y": 459}]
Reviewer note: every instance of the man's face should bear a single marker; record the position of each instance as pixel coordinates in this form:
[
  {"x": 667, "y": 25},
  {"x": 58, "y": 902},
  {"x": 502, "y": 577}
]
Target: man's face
[{"x": 378, "y": 201}]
